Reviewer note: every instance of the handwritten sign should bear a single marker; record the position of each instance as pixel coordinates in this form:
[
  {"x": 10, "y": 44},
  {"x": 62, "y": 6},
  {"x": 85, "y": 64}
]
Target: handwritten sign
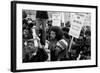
[
  {"x": 56, "y": 19},
  {"x": 77, "y": 22}
]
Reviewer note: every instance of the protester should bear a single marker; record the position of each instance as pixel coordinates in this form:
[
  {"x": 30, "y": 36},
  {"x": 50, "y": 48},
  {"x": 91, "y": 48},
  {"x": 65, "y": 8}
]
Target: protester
[
  {"x": 43, "y": 41},
  {"x": 56, "y": 34},
  {"x": 41, "y": 18},
  {"x": 74, "y": 52},
  {"x": 48, "y": 28},
  {"x": 34, "y": 54}
]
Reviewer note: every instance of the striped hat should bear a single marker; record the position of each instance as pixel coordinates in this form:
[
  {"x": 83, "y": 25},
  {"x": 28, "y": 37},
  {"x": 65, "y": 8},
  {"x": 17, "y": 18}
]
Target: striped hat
[{"x": 62, "y": 44}]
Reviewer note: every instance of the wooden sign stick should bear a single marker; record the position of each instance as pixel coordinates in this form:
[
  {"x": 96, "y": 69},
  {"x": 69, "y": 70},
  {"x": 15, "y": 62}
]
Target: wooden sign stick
[{"x": 70, "y": 44}]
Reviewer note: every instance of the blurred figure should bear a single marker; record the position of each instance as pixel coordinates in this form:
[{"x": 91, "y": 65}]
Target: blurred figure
[
  {"x": 41, "y": 19},
  {"x": 34, "y": 54},
  {"x": 65, "y": 32},
  {"x": 34, "y": 49},
  {"x": 24, "y": 14},
  {"x": 27, "y": 34},
  {"x": 61, "y": 50},
  {"x": 74, "y": 52},
  {"x": 86, "y": 47},
  {"x": 84, "y": 43},
  {"x": 67, "y": 24},
  {"x": 62, "y": 45},
  {"x": 66, "y": 41},
  {"x": 56, "y": 34},
  {"x": 49, "y": 25}
]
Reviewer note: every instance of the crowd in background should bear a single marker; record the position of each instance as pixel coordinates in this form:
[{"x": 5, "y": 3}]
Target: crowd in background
[{"x": 53, "y": 42}]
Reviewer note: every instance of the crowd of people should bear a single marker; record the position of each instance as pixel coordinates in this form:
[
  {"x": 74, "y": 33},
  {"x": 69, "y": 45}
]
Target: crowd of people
[{"x": 44, "y": 42}]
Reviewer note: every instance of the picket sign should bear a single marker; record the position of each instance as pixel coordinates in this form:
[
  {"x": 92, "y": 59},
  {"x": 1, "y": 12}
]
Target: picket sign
[
  {"x": 70, "y": 44},
  {"x": 56, "y": 18},
  {"x": 77, "y": 22}
]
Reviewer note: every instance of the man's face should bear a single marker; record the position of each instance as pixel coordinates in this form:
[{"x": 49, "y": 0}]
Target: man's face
[
  {"x": 73, "y": 54},
  {"x": 52, "y": 35},
  {"x": 40, "y": 22},
  {"x": 25, "y": 32},
  {"x": 31, "y": 47}
]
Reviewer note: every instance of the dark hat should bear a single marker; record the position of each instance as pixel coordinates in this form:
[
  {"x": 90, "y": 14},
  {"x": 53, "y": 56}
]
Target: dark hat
[{"x": 42, "y": 14}]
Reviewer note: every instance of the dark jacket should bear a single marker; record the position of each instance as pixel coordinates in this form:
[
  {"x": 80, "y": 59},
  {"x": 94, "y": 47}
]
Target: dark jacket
[{"x": 39, "y": 57}]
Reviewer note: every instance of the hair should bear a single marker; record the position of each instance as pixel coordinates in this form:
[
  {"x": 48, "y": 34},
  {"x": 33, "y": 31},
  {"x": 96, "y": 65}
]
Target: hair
[
  {"x": 82, "y": 33},
  {"x": 30, "y": 25},
  {"x": 58, "y": 32},
  {"x": 25, "y": 21},
  {"x": 77, "y": 48},
  {"x": 88, "y": 32},
  {"x": 65, "y": 29},
  {"x": 49, "y": 22},
  {"x": 24, "y": 14},
  {"x": 67, "y": 24},
  {"x": 65, "y": 32}
]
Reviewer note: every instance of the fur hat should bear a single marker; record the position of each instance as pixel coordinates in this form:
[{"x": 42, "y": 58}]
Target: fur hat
[{"x": 42, "y": 14}]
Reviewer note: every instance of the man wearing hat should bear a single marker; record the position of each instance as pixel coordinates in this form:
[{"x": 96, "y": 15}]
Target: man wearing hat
[{"x": 41, "y": 18}]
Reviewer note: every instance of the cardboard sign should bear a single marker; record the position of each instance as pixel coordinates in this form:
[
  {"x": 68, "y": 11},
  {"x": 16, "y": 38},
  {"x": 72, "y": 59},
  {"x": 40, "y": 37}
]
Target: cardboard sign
[
  {"x": 77, "y": 21},
  {"x": 56, "y": 19}
]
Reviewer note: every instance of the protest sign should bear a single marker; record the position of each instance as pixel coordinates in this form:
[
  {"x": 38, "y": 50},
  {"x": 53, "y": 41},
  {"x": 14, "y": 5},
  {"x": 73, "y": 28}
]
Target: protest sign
[
  {"x": 77, "y": 22},
  {"x": 56, "y": 19}
]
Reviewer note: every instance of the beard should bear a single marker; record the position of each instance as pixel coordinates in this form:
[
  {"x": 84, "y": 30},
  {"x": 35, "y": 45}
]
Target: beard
[{"x": 51, "y": 38}]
